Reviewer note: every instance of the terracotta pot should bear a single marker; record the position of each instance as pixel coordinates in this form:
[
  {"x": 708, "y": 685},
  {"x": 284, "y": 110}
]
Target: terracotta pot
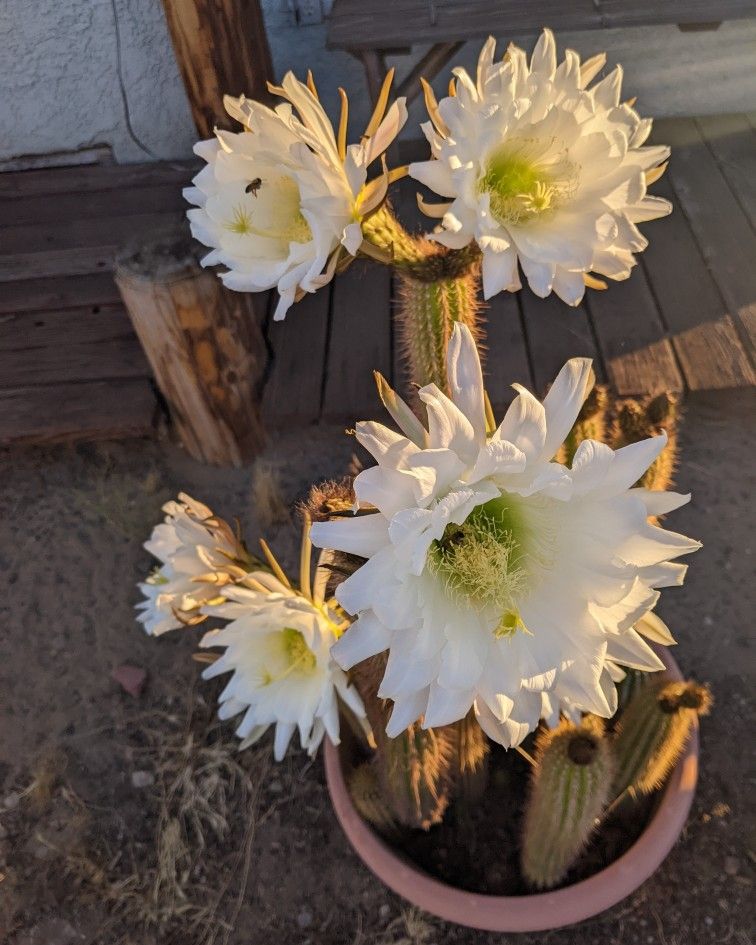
[{"x": 540, "y": 911}]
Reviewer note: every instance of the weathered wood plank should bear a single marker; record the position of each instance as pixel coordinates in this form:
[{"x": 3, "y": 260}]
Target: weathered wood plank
[
  {"x": 378, "y": 24},
  {"x": 71, "y": 345},
  {"x": 733, "y": 142},
  {"x": 360, "y": 341},
  {"x": 80, "y": 261},
  {"x": 723, "y": 232},
  {"x": 703, "y": 334},
  {"x": 88, "y": 178},
  {"x": 638, "y": 355},
  {"x": 505, "y": 360},
  {"x": 293, "y": 390},
  {"x": 91, "y": 410},
  {"x": 93, "y": 231},
  {"x": 44, "y": 209},
  {"x": 556, "y": 332},
  {"x": 59, "y": 292}
]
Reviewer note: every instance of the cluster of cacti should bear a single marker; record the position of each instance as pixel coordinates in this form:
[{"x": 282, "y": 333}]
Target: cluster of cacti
[{"x": 582, "y": 773}]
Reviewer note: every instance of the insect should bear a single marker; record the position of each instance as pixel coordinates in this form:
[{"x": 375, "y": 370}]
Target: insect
[{"x": 254, "y": 186}]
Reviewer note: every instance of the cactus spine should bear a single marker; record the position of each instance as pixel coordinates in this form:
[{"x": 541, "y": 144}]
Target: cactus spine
[
  {"x": 365, "y": 790},
  {"x": 437, "y": 287},
  {"x": 570, "y": 787},
  {"x": 635, "y": 421},
  {"x": 425, "y": 319},
  {"x": 652, "y": 733}
]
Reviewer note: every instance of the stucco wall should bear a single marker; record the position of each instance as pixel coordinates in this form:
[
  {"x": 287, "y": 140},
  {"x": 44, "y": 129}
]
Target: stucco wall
[{"x": 59, "y": 88}]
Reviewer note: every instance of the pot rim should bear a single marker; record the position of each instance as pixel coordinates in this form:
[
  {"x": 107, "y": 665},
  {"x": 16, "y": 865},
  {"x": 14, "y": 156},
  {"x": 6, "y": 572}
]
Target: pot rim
[{"x": 539, "y": 911}]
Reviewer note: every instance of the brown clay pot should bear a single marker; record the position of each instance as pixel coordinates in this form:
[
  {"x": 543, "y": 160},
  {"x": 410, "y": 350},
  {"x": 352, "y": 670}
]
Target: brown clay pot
[{"x": 540, "y": 911}]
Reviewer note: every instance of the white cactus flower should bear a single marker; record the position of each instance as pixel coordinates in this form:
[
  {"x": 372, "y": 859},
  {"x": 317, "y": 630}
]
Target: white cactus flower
[
  {"x": 282, "y": 201},
  {"x": 278, "y": 649},
  {"x": 542, "y": 170},
  {"x": 199, "y": 554},
  {"x": 495, "y": 577}
]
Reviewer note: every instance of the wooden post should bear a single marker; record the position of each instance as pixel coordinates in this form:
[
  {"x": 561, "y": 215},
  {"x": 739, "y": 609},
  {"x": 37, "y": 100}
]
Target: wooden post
[
  {"x": 204, "y": 343},
  {"x": 222, "y": 49}
]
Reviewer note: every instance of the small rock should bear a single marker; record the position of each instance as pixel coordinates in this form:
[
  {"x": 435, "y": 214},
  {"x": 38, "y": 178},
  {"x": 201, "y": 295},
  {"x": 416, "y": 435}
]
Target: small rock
[
  {"x": 11, "y": 800},
  {"x": 3, "y": 832},
  {"x": 731, "y": 865},
  {"x": 708, "y": 920},
  {"x": 384, "y": 912},
  {"x": 275, "y": 787},
  {"x": 130, "y": 678},
  {"x": 275, "y": 847},
  {"x": 142, "y": 779},
  {"x": 304, "y": 919}
]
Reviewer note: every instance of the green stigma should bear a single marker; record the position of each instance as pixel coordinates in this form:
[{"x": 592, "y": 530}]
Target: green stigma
[
  {"x": 298, "y": 653},
  {"x": 482, "y": 561},
  {"x": 520, "y": 189}
]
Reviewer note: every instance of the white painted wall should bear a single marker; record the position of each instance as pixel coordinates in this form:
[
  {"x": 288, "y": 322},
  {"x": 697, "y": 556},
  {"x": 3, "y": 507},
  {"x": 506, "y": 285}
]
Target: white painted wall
[{"x": 59, "y": 85}]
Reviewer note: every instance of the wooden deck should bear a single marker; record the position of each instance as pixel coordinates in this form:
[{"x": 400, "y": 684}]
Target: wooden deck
[{"x": 71, "y": 366}]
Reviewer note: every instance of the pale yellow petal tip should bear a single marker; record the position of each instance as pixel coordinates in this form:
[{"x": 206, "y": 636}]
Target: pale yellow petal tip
[{"x": 593, "y": 283}]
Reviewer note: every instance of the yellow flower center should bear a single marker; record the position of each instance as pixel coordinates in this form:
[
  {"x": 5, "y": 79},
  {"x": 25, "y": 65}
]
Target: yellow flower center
[
  {"x": 521, "y": 188},
  {"x": 271, "y": 208},
  {"x": 482, "y": 561}
]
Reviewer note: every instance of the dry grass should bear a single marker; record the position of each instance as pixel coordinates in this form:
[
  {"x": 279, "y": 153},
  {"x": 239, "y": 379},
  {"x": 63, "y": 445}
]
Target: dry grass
[
  {"x": 186, "y": 883},
  {"x": 267, "y": 495},
  {"x": 412, "y": 927}
]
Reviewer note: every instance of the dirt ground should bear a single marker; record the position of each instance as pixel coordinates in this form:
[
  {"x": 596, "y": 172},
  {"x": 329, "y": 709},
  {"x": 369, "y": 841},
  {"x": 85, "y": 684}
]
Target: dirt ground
[{"x": 131, "y": 819}]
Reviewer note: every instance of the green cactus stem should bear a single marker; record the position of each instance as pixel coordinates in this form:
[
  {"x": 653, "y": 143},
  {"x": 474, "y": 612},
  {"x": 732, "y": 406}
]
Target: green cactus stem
[
  {"x": 652, "y": 733},
  {"x": 635, "y": 421},
  {"x": 416, "y": 770},
  {"x": 365, "y": 791},
  {"x": 425, "y": 319},
  {"x": 568, "y": 792}
]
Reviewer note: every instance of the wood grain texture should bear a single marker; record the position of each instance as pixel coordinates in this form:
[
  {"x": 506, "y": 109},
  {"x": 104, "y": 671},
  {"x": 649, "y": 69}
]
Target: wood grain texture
[
  {"x": 89, "y": 410},
  {"x": 386, "y": 24},
  {"x": 732, "y": 141},
  {"x": 207, "y": 353},
  {"x": 73, "y": 345},
  {"x": 701, "y": 329},
  {"x": 505, "y": 358},
  {"x": 638, "y": 355},
  {"x": 58, "y": 292},
  {"x": 91, "y": 178},
  {"x": 221, "y": 49},
  {"x": 722, "y": 230},
  {"x": 294, "y": 388},
  {"x": 360, "y": 342},
  {"x": 556, "y": 332}
]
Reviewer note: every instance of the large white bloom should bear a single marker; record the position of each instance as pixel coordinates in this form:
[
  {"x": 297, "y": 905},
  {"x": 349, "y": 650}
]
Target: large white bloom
[
  {"x": 278, "y": 648},
  {"x": 541, "y": 169},
  {"x": 497, "y": 578},
  {"x": 277, "y": 201},
  {"x": 199, "y": 554}
]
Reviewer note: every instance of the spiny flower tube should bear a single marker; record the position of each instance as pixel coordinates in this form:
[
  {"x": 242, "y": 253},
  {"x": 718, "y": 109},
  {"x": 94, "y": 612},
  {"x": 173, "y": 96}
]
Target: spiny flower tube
[
  {"x": 281, "y": 203},
  {"x": 540, "y": 169},
  {"x": 497, "y": 578},
  {"x": 199, "y": 555},
  {"x": 277, "y": 647}
]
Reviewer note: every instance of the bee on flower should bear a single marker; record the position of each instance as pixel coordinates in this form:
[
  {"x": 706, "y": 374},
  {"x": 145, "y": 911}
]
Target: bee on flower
[{"x": 281, "y": 203}]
